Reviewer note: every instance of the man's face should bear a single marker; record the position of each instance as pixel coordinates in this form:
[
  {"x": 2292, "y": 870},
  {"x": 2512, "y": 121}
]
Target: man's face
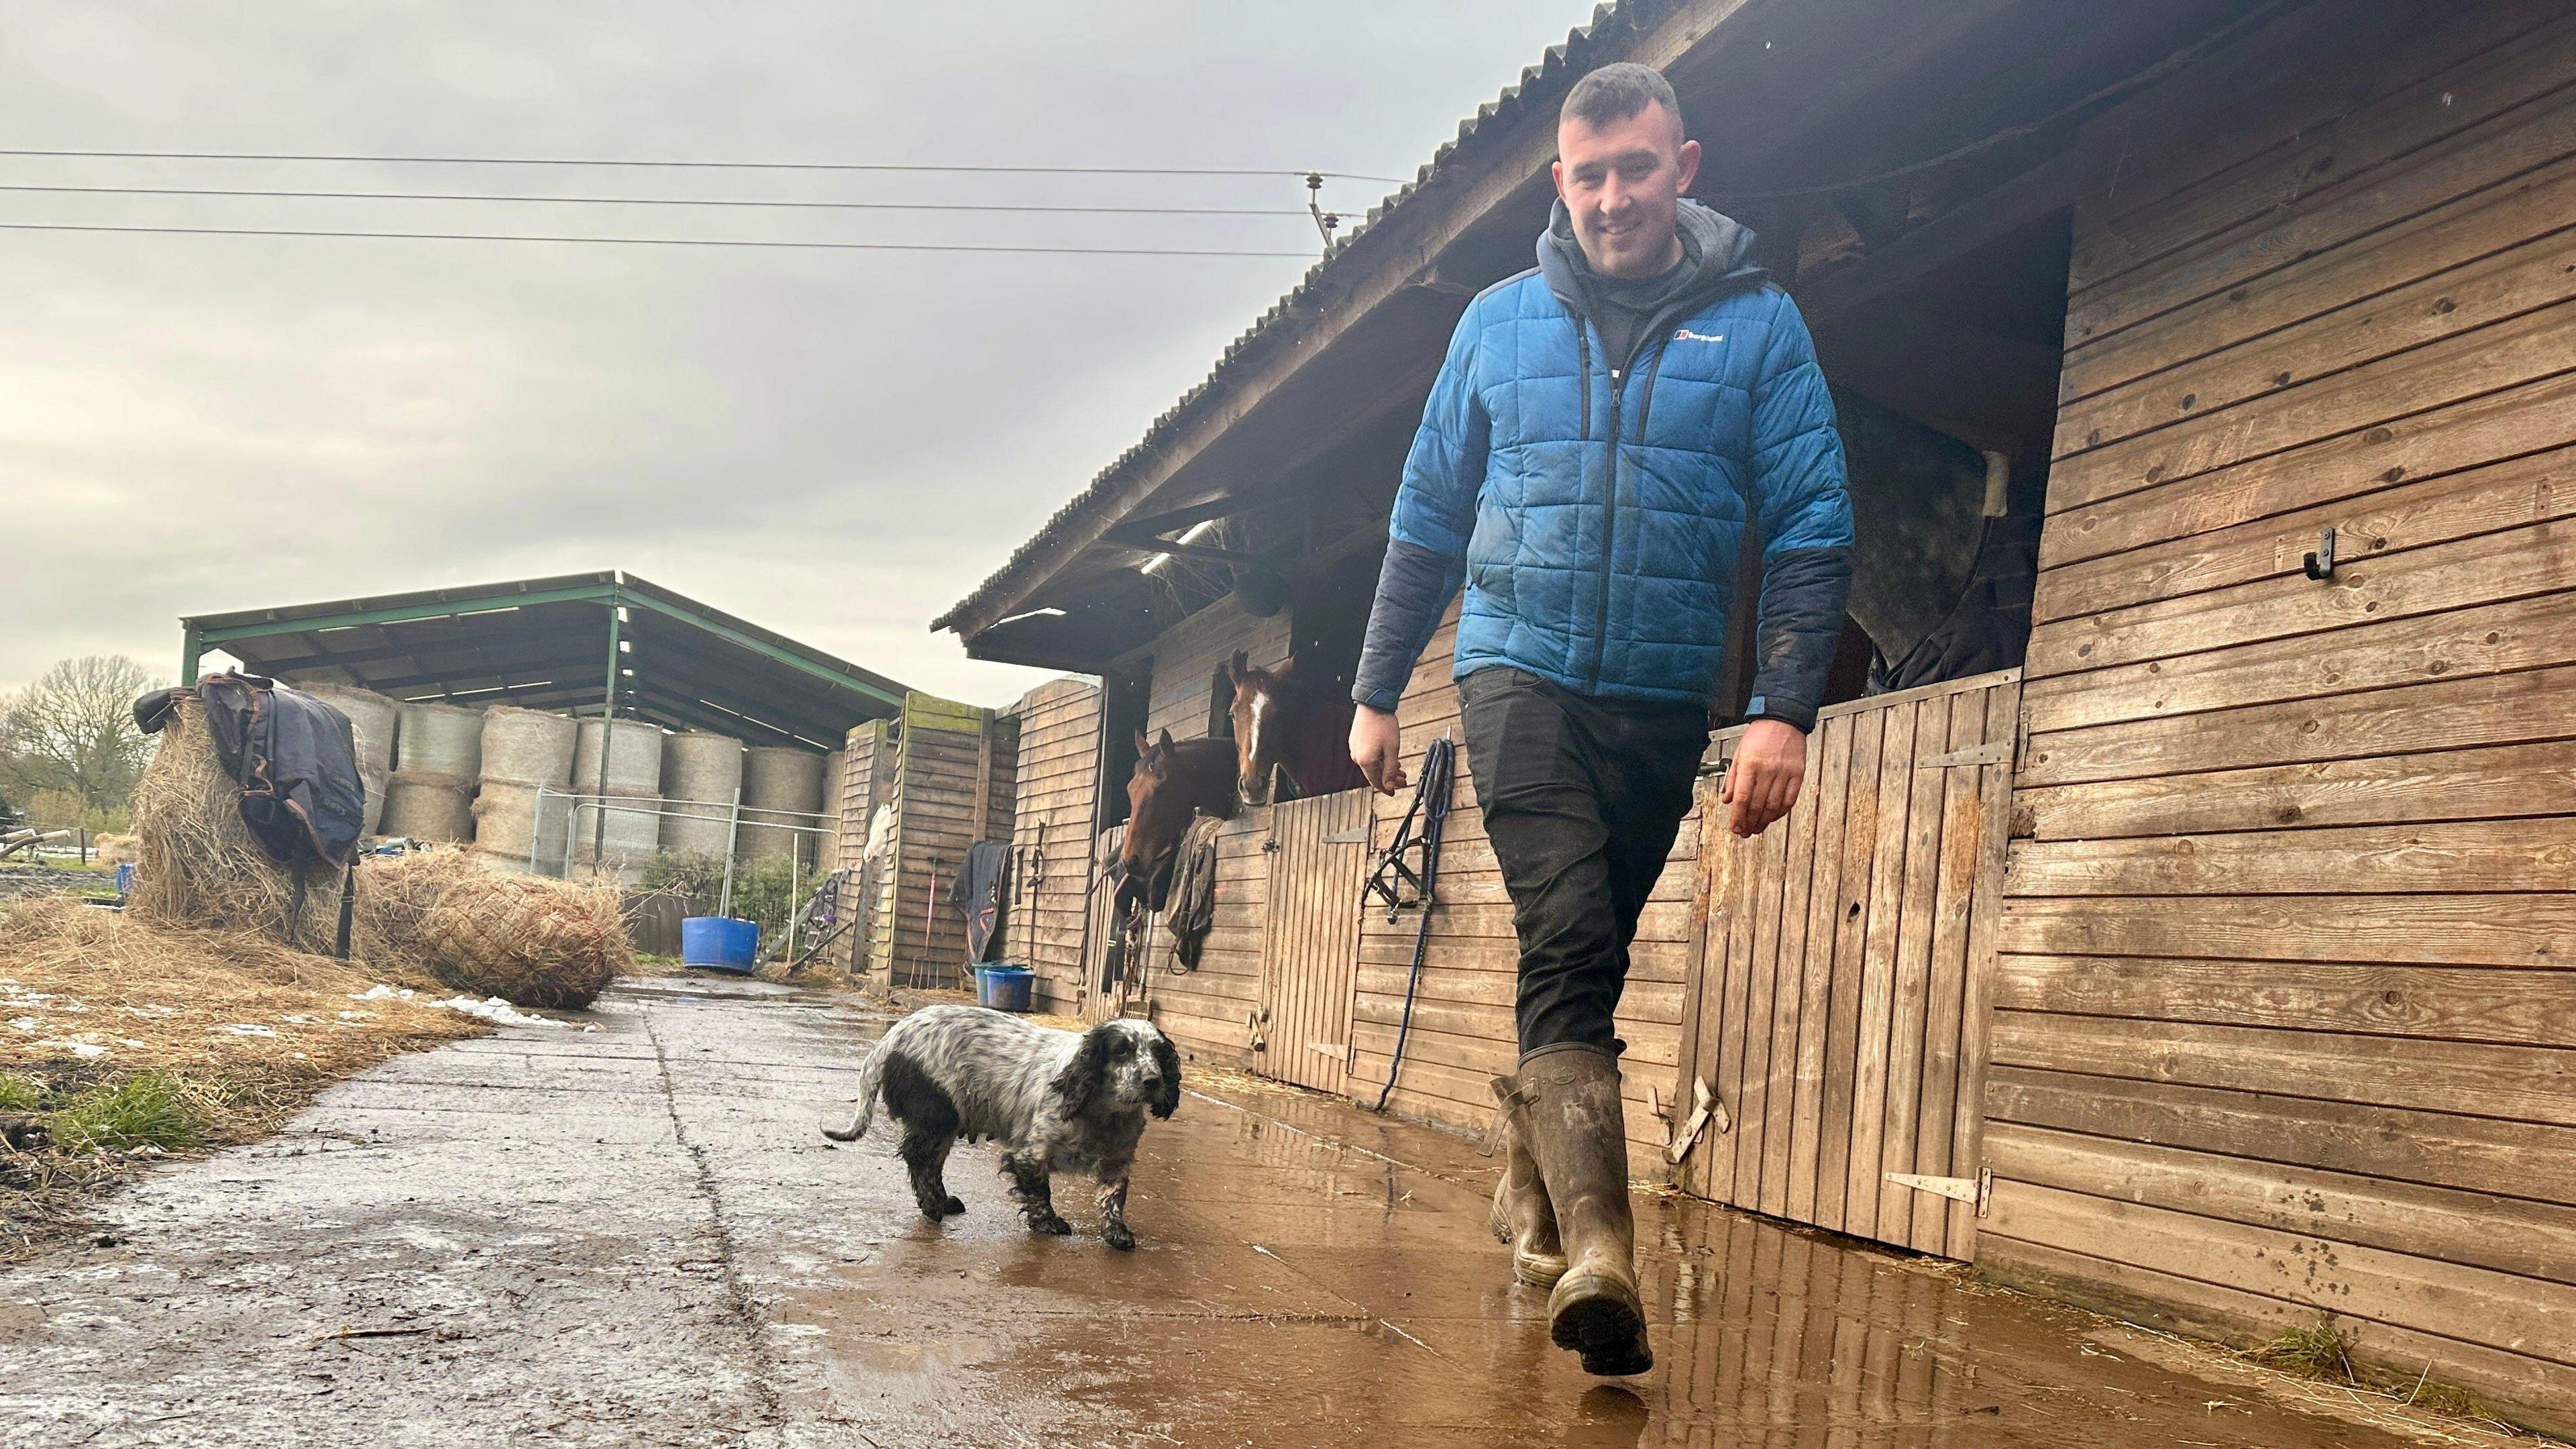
[{"x": 1622, "y": 181}]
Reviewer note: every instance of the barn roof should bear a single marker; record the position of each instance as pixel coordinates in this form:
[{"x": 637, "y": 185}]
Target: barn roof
[{"x": 546, "y": 644}]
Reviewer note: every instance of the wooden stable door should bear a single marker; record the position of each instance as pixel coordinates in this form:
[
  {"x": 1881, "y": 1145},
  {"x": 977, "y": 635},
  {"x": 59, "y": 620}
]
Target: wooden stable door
[
  {"x": 1836, "y": 1021},
  {"x": 1311, "y": 940}
]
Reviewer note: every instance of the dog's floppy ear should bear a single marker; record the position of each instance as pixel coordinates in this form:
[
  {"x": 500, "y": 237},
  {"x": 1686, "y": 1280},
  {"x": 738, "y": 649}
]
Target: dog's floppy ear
[
  {"x": 1080, "y": 1081},
  {"x": 1167, "y": 1064}
]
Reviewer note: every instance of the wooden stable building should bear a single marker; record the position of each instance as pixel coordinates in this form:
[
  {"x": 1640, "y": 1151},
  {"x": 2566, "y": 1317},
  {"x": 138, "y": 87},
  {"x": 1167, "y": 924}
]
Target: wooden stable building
[
  {"x": 944, "y": 774},
  {"x": 2180, "y": 917}
]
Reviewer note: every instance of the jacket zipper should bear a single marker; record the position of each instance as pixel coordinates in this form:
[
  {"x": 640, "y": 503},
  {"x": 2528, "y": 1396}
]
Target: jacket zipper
[
  {"x": 1609, "y": 534},
  {"x": 1583, "y": 349}
]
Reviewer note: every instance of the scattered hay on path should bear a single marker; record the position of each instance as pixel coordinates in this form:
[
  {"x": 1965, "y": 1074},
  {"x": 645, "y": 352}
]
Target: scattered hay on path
[{"x": 135, "y": 1039}]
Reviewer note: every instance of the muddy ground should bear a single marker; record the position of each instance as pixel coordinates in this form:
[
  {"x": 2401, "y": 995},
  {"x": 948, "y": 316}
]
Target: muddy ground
[{"x": 636, "y": 1236}]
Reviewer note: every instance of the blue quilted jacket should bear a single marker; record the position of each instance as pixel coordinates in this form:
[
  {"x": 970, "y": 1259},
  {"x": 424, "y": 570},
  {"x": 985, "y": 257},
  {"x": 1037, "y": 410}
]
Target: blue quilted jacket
[{"x": 1594, "y": 507}]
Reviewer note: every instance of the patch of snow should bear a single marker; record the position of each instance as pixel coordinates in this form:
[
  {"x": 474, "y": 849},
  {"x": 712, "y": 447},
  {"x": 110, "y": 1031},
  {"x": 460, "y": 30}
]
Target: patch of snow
[
  {"x": 381, "y": 992},
  {"x": 23, "y": 1023},
  {"x": 244, "y": 1028},
  {"x": 82, "y": 1049},
  {"x": 496, "y": 1009}
]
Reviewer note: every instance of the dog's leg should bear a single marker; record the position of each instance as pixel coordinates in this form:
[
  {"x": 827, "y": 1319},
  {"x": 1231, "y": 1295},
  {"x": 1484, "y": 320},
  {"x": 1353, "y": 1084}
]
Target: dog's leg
[
  {"x": 1037, "y": 1198},
  {"x": 926, "y": 1153},
  {"x": 930, "y": 1122},
  {"x": 1113, "y": 1205}
]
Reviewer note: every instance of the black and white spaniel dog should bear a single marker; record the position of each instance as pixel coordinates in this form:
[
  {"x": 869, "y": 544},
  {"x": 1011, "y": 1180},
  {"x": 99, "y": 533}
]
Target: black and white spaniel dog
[{"x": 1054, "y": 1102}]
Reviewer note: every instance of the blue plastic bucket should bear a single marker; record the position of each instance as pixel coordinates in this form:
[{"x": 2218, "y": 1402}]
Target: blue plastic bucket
[
  {"x": 719, "y": 943},
  {"x": 1003, "y": 988}
]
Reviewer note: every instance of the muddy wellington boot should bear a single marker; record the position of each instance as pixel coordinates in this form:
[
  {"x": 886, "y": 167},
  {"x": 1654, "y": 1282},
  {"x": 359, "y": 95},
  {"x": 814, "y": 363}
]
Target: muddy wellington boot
[
  {"x": 1521, "y": 1215},
  {"x": 1578, "y": 1133}
]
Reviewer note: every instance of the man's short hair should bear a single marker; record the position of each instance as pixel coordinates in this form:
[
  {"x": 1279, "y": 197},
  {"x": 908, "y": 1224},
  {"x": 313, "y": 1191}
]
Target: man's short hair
[{"x": 1616, "y": 92}]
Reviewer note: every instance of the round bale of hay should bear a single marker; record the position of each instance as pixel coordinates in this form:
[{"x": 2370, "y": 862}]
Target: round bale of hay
[
  {"x": 530, "y": 939},
  {"x": 196, "y": 865}
]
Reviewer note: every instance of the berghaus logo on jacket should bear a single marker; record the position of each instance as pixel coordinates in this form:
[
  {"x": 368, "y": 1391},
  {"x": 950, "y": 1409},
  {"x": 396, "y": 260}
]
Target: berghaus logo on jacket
[{"x": 1684, "y": 334}]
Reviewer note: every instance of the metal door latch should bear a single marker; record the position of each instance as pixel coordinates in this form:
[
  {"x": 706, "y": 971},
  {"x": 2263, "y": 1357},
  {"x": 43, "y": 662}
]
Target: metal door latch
[
  {"x": 2321, "y": 564},
  {"x": 1706, "y": 1110}
]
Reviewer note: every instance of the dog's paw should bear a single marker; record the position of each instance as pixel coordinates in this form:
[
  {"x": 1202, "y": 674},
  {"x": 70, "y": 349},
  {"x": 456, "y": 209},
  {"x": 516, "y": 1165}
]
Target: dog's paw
[
  {"x": 1118, "y": 1236},
  {"x": 1050, "y": 1224}
]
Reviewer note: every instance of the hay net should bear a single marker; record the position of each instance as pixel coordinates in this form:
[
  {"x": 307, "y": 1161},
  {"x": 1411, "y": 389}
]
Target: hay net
[{"x": 535, "y": 941}]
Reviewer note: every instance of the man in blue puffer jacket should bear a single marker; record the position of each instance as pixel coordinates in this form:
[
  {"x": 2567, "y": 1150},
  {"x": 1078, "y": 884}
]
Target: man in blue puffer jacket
[{"x": 1600, "y": 433}]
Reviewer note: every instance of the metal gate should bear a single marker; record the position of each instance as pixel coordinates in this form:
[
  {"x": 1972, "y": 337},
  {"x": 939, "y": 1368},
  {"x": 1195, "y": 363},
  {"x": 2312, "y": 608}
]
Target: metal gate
[
  {"x": 1834, "y": 1042},
  {"x": 1311, "y": 939}
]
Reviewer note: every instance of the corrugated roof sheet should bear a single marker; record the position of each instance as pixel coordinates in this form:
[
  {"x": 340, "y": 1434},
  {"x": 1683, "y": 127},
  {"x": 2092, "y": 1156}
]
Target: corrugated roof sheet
[{"x": 1545, "y": 82}]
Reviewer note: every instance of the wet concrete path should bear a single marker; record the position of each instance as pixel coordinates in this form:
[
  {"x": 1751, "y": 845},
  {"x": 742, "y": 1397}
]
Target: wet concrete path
[{"x": 635, "y": 1236}]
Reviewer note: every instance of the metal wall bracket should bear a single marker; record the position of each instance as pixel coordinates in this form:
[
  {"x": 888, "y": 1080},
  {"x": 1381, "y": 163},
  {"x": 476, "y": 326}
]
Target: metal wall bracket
[
  {"x": 1978, "y": 1190},
  {"x": 2321, "y": 564}
]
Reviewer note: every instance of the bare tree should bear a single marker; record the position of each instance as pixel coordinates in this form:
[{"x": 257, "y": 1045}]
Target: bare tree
[{"x": 73, "y": 730}]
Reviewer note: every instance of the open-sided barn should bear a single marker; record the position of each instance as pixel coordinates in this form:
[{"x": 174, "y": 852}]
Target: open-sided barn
[{"x": 2181, "y": 916}]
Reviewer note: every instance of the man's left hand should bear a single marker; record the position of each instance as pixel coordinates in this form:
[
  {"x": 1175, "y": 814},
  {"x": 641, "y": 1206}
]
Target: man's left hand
[{"x": 1762, "y": 780}]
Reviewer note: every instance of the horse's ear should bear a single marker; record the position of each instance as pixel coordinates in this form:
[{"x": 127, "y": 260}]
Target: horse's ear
[
  {"x": 1144, "y": 746},
  {"x": 1165, "y": 743},
  {"x": 1237, "y": 667}
]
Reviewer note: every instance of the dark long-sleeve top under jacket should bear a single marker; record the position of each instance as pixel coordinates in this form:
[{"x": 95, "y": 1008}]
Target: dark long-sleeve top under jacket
[{"x": 1594, "y": 507}]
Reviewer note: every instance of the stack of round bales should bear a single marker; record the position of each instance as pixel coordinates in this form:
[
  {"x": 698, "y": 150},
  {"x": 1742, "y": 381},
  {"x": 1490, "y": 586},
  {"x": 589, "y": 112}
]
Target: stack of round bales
[
  {"x": 438, "y": 753},
  {"x": 625, "y": 833},
  {"x": 524, "y": 751},
  {"x": 782, "y": 788},
  {"x": 375, "y": 719},
  {"x": 701, "y": 775}
]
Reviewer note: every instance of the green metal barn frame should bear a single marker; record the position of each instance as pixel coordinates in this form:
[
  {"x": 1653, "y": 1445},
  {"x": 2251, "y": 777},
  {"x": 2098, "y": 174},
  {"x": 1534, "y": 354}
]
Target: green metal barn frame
[{"x": 578, "y": 643}]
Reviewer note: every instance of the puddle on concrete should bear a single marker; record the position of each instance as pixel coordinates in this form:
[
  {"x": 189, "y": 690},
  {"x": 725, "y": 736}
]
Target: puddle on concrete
[{"x": 669, "y": 1255}]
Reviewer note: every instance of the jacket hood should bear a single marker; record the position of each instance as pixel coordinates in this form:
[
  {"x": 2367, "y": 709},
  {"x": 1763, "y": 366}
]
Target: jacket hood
[{"x": 1714, "y": 251}]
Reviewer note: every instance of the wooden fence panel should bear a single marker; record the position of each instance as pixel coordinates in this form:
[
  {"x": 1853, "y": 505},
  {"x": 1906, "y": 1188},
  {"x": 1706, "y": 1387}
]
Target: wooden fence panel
[{"x": 1845, "y": 971}]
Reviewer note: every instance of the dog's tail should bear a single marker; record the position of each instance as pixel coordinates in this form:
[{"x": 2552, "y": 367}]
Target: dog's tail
[{"x": 871, "y": 1073}]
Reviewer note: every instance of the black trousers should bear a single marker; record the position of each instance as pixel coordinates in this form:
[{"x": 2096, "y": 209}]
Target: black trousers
[{"x": 1582, "y": 798}]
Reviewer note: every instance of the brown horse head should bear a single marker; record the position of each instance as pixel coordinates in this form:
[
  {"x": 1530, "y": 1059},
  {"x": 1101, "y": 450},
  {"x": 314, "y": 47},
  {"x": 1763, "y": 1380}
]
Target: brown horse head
[
  {"x": 1283, "y": 727},
  {"x": 1171, "y": 783},
  {"x": 1261, "y": 725}
]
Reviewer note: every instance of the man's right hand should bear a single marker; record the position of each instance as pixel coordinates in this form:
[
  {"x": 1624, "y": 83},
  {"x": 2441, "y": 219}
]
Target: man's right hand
[{"x": 1375, "y": 742}]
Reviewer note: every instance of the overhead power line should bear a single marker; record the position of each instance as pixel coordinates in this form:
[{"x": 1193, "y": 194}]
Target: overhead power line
[
  {"x": 649, "y": 241},
  {"x": 657, "y": 201},
  {"x": 1299, "y": 171}
]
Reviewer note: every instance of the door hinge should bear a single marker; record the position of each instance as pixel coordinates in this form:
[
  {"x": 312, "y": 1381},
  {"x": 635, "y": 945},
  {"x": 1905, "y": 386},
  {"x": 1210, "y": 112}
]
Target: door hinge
[
  {"x": 1347, "y": 837},
  {"x": 1978, "y": 1191},
  {"x": 1330, "y": 1049}
]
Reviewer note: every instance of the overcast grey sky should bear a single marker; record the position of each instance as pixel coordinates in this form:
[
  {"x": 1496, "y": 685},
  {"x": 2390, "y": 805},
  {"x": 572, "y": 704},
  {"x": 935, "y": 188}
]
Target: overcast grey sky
[{"x": 833, "y": 444}]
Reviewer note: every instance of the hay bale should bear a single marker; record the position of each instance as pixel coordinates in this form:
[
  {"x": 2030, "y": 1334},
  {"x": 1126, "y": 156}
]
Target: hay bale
[
  {"x": 533, "y": 940},
  {"x": 197, "y": 867},
  {"x": 114, "y": 849}
]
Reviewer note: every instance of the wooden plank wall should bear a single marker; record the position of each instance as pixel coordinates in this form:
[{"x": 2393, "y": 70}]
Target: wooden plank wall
[
  {"x": 1848, "y": 958},
  {"x": 1187, "y": 655},
  {"x": 2287, "y": 1010},
  {"x": 1057, "y": 773},
  {"x": 1463, "y": 1033},
  {"x": 952, "y": 786},
  {"x": 869, "y": 770}
]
